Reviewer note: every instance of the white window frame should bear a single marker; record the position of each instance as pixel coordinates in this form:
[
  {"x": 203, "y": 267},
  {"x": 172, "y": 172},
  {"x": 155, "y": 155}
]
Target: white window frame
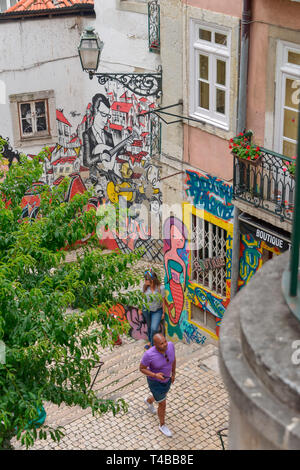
[
  {"x": 44, "y": 137},
  {"x": 284, "y": 71},
  {"x": 35, "y": 132},
  {"x": 214, "y": 52}
]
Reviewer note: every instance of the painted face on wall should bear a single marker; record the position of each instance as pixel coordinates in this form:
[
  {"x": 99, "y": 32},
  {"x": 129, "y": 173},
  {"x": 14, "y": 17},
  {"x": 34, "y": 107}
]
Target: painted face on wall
[
  {"x": 177, "y": 239},
  {"x": 101, "y": 117}
]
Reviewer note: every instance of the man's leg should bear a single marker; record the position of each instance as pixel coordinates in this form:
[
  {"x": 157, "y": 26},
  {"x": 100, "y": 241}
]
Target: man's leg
[
  {"x": 150, "y": 399},
  {"x": 162, "y": 412}
]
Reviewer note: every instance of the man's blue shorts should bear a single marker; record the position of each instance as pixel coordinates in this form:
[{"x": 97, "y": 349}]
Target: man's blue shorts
[{"x": 159, "y": 389}]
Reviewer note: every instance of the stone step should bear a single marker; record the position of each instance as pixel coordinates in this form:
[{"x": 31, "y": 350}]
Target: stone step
[{"x": 120, "y": 374}]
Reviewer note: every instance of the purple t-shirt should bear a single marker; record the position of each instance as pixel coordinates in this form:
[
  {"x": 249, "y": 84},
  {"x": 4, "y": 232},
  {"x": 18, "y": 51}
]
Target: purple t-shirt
[{"x": 156, "y": 362}]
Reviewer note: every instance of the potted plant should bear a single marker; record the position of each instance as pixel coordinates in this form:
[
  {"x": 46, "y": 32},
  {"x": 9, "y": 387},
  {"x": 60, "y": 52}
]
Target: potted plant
[{"x": 242, "y": 148}]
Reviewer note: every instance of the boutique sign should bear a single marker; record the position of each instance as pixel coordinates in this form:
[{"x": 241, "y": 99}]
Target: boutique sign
[{"x": 274, "y": 240}]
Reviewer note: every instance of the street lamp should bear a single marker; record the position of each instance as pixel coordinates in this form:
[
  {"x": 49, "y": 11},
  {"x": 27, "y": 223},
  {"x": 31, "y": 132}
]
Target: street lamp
[{"x": 89, "y": 50}]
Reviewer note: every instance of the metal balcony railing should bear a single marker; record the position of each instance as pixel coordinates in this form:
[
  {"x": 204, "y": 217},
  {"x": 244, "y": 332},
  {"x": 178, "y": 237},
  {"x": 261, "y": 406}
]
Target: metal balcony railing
[
  {"x": 154, "y": 25},
  {"x": 266, "y": 184}
]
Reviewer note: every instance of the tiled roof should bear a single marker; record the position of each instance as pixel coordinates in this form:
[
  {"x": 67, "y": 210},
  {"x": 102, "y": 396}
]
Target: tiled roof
[
  {"x": 33, "y": 5},
  {"x": 120, "y": 106}
]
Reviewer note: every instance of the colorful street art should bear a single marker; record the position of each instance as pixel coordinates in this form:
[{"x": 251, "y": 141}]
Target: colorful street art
[
  {"x": 9, "y": 155},
  {"x": 113, "y": 149},
  {"x": 251, "y": 258},
  {"x": 214, "y": 197},
  {"x": 138, "y": 326},
  {"x": 212, "y": 193},
  {"x": 176, "y": 275}
]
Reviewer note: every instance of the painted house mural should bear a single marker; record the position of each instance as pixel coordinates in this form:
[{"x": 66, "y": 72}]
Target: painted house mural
[{"x": 112, "y": 150}]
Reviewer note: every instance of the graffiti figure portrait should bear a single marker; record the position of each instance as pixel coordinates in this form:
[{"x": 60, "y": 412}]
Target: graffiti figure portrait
[{"x": 175, "y": 239}]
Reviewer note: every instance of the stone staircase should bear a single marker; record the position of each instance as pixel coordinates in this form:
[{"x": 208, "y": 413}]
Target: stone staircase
[{"x": 120, "y": 374}]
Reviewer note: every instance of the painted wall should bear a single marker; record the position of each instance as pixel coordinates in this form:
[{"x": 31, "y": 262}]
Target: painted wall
[
  {"x": 270, "y": 21},
  {"x": 209, "y": 198},
  {"x": 251, "y": 261},
  {"x": 208, "y": 152},
  {"x": 230, "y": 7},
  {"x": 33, "y": 67},
  {"x": 138, "y": 326},
  {"x": 75, "y": 145}
]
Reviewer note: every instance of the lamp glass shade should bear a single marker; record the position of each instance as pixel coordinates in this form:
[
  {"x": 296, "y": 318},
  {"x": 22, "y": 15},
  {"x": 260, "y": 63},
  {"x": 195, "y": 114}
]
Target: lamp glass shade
[{"x": 89, "y": 50}]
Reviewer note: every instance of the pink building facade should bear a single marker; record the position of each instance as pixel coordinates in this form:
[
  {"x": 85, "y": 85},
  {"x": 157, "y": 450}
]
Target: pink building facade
[{"x": 238, "y": 214}]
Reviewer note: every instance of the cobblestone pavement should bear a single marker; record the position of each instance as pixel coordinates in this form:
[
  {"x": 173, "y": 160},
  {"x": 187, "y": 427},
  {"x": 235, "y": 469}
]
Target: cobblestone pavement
[{"x": 197, "y": 405}]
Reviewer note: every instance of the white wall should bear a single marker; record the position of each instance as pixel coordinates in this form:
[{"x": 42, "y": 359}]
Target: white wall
[{"x": 41, "y": 54}]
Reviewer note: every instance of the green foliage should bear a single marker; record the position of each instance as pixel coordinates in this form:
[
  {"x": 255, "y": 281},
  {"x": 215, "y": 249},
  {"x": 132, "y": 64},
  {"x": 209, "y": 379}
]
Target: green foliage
[{"x": 53, "y": 314}]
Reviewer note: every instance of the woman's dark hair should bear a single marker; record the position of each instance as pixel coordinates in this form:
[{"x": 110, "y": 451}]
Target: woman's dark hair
[{"x": 152, "y": 277}]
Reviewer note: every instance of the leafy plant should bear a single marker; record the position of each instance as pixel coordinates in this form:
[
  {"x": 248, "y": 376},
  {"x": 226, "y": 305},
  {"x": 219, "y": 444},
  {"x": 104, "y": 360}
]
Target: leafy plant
[
  {"x": 54, "y": 315},
  {"x": 290, "y": 167},
  {"x": 243, "y": 148}
]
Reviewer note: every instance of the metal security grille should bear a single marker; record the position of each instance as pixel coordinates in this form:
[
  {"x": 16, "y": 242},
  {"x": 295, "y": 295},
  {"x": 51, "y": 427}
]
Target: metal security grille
[{"x": 208, "y": 242}]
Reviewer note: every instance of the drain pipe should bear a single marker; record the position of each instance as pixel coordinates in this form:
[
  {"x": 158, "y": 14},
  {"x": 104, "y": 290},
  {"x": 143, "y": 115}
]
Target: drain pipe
[{"x": 241, "y": 125}]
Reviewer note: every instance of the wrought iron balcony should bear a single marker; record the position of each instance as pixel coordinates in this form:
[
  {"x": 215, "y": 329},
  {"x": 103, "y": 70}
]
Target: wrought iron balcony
[
  {"x": 266, "y": 183},
  {"x": 154, "y": 25}
]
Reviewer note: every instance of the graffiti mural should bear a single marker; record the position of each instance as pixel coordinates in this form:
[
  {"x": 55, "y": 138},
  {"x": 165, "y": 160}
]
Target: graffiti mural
[
  {"x": 8, "y": 153},
  {"x": 115, "y": 148},
  {"x": 192, "y": 334},
  {"x": 176, "y": 275},
  {"x": 212, "y": 193},
  {"x": 250, "y": 258},
  {"x": 138, "y": 326}
]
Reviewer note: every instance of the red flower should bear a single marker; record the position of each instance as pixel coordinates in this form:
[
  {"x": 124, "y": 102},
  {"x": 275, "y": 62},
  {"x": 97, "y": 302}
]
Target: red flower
[
  {"x": 257, "y": 149},
  {"x": 230, "y": 146},
  {"x": 247, "y": 152},
  {"x": 248, "y": 147},
  {"x": 248, "y": 158}
]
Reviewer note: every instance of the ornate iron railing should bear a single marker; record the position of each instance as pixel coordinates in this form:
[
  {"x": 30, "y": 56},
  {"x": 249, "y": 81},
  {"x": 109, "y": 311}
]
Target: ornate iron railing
[
  {"x": 154, "y": 25},
  {"x": 266, "y": 184},
  {"x": 155, "y": 136}
]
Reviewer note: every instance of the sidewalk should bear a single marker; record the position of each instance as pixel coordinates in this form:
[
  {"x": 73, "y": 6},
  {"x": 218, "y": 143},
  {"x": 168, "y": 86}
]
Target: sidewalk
[{"x": 197, "y": 405}]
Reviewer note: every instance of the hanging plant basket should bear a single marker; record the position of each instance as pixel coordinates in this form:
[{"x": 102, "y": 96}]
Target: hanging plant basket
[
  {"x": 254, "y": 162},
  {"x": 246, "y": 152}
]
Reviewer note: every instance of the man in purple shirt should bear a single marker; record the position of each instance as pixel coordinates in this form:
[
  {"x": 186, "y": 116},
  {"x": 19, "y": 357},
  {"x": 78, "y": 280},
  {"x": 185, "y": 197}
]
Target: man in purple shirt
[{"x": 159, "y": 364}]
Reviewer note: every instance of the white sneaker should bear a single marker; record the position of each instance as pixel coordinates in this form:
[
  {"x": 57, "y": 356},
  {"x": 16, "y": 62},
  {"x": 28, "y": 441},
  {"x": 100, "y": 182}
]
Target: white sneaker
[
  {"x": 150, "y": 406},
  {"x": 165, "y": 430}
]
